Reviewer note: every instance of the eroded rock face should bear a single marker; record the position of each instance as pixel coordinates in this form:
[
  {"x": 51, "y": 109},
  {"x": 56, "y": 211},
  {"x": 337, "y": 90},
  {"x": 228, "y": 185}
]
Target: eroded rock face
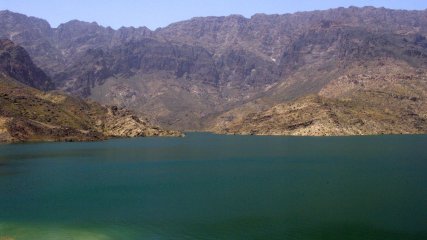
[
  {"x": 316, "y": 116},
  {"x": 389, "y": 97},
  {"x": 147, "y": 56}
]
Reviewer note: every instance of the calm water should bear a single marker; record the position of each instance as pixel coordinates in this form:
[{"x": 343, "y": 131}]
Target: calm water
[{"x": 216, "y": 187}]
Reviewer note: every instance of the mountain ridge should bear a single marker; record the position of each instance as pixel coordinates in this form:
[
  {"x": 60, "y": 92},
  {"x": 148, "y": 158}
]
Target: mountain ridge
[{"x": 186, "y": 75}]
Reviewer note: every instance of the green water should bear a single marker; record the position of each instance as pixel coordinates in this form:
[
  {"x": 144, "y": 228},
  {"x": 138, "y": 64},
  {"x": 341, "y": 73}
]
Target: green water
[{"x": 206, "y": 186}]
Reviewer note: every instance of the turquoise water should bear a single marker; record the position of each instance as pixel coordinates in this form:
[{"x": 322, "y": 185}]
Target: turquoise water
[{"x": 208, "y": 186}]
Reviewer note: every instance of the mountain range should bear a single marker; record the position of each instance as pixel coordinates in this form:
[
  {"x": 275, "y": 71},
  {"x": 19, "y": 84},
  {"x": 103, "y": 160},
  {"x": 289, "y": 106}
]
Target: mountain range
[{"x": 344, "y": 71}]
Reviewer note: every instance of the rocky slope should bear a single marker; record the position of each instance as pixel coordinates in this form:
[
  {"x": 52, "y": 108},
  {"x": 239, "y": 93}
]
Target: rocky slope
[
  {"x": 204, "y": 72},
  {"x": 29, "y": 114},
  {"x": 380, "y": 99}
]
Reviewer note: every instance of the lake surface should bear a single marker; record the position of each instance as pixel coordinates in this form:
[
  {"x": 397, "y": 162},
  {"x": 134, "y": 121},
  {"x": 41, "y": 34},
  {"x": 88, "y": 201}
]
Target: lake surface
[{"x": 208, "y": 186}]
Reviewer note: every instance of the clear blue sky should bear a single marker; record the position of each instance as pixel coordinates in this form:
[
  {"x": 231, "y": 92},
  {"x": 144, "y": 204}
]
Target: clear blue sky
[{"x": 160, "y": 13}]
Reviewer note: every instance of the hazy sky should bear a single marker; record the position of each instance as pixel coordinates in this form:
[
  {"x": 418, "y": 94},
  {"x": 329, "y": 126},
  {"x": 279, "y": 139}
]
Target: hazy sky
[{"x": 160, "y": 13}]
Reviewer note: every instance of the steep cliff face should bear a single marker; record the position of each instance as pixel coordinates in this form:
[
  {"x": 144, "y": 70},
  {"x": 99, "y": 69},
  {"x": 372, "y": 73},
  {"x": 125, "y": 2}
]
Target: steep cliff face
[
  {"x": 269, "y": 35},
  {"x": 192, "y": 73},
  {"x": 147, "y": 56},
  {"x": 15, "y": 62}
]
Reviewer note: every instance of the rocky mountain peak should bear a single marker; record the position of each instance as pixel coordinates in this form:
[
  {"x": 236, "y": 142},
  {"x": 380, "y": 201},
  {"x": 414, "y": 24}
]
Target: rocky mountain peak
[{"x": 9, "y": 20}]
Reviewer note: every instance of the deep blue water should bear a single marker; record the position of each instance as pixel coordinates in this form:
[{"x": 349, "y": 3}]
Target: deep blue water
[{"x": 208, "y": 186}]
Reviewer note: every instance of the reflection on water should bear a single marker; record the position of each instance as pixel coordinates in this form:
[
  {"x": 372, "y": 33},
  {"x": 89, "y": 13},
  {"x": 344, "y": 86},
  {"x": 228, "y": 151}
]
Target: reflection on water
[
  {"x": 29, "y": 232},
  {"x": 216, "y": 187},
  {"x": 260, "y": 230}
]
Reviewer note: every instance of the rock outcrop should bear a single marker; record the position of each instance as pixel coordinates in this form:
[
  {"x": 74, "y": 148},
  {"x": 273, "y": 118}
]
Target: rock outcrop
[{"x": 121, "y": 122}]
